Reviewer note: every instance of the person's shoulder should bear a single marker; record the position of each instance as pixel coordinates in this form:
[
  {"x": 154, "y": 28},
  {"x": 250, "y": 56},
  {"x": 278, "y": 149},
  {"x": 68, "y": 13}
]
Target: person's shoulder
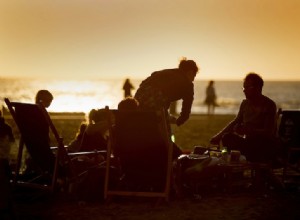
[
  {"x": 270, "y": 104},
  {"x": 269, "y": 100},
  {"x": 166, "y": 71}
]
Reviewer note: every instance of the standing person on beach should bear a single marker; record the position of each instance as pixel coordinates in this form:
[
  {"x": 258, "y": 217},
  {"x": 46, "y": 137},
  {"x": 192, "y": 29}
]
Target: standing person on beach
[
  {"x": 253, "y": 130},
  {"x": 211, "y": 98},
  {"x": 169, "y": 85},
  {"x": 127, "y": 87}
]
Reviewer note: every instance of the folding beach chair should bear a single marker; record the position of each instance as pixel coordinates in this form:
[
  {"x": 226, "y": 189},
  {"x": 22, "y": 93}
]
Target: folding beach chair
[
  {"x": 140, "y": 142},
  {"x": 50, "y": 166},
  {"x": 289, "y": 135}
]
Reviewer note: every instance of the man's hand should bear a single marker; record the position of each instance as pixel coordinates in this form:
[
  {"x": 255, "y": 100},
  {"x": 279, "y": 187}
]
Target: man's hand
[
  {"x": 215, "y": 140},
  {"x": 172, "y": 119}
]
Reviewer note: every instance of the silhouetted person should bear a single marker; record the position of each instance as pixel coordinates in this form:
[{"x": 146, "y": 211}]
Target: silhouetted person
[
  {"x": 74, "y": 145},
  {"x": 6, "y": 199},
  {"x": 132, "y": 104},
  {"x": 169, "y": 85},
  {"x": 128, "y": 104},
  {"x": 127, "y": 87},
  {"x": 95, "y": 135},
  {"x": 211, "y": 97},
  {"x": 6, "y": 138},
  {"x": 44, "y": 97},
  {"x": 253, "y": 130},
  {"x": 7, "y": 209}
]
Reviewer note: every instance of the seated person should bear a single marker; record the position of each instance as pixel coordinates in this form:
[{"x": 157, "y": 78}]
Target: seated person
[
  {"x": 139, "y": 147},
  {"x": 132, "y": 104},
  {"x": 44, "y": 97},
  {"x": 6, "y": 138},
  {"x": 96, "y": 133},
  {"x": 75, "y": 144},
  {"x": 253, "y": 130}
]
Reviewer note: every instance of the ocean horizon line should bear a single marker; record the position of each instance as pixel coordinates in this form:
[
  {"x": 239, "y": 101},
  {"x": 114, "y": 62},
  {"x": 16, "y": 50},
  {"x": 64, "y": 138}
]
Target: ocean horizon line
[{"x": 133, "y": 78}]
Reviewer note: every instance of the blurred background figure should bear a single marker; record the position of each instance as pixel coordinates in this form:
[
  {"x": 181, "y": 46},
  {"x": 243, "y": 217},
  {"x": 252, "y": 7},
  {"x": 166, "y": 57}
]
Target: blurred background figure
[
  {"x": 127, "y": 87},
  {"x": 211, "y": 98}
]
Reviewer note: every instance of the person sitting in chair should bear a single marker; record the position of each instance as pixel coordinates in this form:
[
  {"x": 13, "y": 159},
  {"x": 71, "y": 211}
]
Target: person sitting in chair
[
  {"x": 95, "y": 135},
  {"x": 253, "y": 130},
  {"x": 44, "y": 97}
]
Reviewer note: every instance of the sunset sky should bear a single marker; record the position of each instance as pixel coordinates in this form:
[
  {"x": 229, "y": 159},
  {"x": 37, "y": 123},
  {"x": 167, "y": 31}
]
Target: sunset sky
[{"x": 95, "y": 39}]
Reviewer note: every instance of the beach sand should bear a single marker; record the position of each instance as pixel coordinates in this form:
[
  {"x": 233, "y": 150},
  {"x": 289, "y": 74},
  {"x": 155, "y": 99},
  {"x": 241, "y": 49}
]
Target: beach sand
[{"x": 240, "y": 204}]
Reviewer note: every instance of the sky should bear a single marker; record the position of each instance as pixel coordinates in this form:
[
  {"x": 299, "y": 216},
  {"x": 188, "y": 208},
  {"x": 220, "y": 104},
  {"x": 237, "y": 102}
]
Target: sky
[{"x": 95, "y": 39}]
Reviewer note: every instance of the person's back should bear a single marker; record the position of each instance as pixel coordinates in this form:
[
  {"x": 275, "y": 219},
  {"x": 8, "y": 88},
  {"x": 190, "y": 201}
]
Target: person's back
[
  {"x": 170, "y": 82},
  {"x": 168, "y": 85},
  {"x": 94, "y": 137}
]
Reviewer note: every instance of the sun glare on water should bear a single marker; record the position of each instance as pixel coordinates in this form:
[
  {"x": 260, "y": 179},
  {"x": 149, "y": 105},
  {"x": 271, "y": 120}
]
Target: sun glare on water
[{"x": 82, "y": 96}]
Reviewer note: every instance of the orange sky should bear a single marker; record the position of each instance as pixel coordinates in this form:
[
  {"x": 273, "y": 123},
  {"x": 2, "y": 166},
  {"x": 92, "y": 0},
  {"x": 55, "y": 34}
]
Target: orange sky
[{"x": 132, "y": 38}]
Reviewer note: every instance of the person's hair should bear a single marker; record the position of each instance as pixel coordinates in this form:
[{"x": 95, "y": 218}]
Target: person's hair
[
  {"x": 187, "y": 65},
  {"x": 43, "y": 95},
  {"x": 128, "y": 103},
  {"x": 81, "y": 131},
  {"x": 96, "y": 115},
  {"x": 257, "y": 80}
]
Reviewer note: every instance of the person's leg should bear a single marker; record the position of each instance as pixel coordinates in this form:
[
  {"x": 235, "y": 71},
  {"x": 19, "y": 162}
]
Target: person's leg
[{"x": 260, "y": 149}]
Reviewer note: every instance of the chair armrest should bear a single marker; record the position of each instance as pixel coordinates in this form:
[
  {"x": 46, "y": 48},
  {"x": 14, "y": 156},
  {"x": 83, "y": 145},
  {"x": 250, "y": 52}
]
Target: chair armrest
[
  {"x": 55, "y": 147},
  {"x": 85, "y": 153}
]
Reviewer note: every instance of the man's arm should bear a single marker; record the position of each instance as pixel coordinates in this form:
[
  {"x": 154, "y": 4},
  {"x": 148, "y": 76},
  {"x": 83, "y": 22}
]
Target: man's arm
[
  {"x": 231, "y": 127},
  {"x": 187, "y": 102}
]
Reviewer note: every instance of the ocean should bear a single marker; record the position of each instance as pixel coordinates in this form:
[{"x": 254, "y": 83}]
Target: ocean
[{"x": 84, "y": 95}]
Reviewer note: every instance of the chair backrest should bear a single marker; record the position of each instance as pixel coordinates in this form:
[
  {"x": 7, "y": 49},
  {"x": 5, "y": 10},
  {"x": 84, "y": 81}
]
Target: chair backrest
[
  {"x": 139, "y": 144},
  {"x": 142, "y": 143},
  {"x": 289, "y": 128},
  {"x": 34, "y": 129}
]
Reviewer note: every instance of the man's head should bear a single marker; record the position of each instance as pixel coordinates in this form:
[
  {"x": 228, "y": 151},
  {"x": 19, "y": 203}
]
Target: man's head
[
  {"x": 252, "y": 86},
  {"x": 189, "y": 67},
  {"x": 44, "y": 97}
]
